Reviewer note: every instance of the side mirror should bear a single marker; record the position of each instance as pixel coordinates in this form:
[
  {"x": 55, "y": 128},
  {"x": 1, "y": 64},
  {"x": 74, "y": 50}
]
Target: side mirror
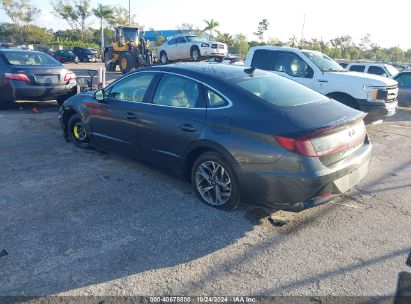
[
  {"x": 99, "y": 95},
  {"x": 309, "y": 73}
]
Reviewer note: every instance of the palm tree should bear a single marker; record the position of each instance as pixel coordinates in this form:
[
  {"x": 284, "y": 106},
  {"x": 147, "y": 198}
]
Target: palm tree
[
  {"x": 211, "y": 25},
  {"x": 103, "y": 12}
]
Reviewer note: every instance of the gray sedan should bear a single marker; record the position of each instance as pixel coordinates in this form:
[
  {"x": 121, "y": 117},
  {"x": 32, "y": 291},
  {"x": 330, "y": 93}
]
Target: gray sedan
[{"x": 404, "y": 88}]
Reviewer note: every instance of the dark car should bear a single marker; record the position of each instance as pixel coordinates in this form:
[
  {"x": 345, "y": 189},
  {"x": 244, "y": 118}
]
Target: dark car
[
  {"x": 31, "y": 75},
  {"x": 65, "y": 56},
  {"x": 404, "y": 88},
  {"x": 234, "y": 133},
  {"x": 96, "y": 53},
  {"x": 84, "y": 54},
  {"x": 46, "y": 50}
]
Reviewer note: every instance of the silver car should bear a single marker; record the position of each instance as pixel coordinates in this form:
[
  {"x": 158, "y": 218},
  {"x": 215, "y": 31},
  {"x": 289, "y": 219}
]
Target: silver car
[{"x": 190, "y": 47}]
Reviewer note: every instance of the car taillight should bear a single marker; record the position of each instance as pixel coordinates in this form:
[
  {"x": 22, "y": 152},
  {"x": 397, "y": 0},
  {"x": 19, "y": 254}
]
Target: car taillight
[
  {"x": 70, "y": 76},
  {"x": 17, "y": 76},
  {"x": 325, "y": 141},
  {"x": 301, "y": 146}
]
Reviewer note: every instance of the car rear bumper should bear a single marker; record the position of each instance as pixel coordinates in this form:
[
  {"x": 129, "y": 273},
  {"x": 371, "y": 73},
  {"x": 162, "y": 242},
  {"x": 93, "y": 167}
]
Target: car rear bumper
[
  {"x": 49, "y": 92},
  {"x": 377, "y": 110},
  {"x": 298, "y": 191}
]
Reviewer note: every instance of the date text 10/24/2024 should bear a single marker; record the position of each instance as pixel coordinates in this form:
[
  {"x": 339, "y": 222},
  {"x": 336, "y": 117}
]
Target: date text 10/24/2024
[{"x": 203, "y": 299}]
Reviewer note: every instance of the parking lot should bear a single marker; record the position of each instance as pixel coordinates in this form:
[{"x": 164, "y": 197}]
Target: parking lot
[{"x": 83, "y": 222}]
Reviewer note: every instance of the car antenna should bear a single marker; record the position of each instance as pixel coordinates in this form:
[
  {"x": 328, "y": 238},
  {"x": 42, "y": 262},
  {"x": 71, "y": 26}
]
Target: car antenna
[{"x": 250, "y": 71}]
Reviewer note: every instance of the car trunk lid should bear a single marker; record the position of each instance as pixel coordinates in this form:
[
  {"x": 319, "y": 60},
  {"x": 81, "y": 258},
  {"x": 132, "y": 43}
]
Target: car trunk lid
[{"x": 331, "y": 131}]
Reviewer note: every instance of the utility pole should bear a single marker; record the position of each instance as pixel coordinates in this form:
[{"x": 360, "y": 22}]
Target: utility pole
[
  {"x": 302, "y": 33},
  {"x": 129, "y": 12}
]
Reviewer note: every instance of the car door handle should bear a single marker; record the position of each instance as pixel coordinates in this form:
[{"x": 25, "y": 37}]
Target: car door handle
[
  {"x": 187, "y": 128},
  {"x": 131, "y": 116}
]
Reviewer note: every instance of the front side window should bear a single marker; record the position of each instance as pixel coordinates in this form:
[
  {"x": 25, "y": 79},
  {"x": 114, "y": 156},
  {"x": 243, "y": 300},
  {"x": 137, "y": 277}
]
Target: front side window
[
  {"x": 181, "y": 40},
  {"x": 404, "y": 80},
  {"x": 291, "y": 64},
  {"x": 357, "y": 68},
  {"x": 376, "y": 70},
  {"x": 132, "y": 88},
  {"x": 177, "y": 91}
]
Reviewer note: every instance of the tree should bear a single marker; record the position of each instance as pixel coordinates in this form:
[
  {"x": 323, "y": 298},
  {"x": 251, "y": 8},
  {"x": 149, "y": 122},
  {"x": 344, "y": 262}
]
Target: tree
[
  {"x": 186, "y": 27},
  {"x": 240, "y": 45},
  {"x": 19, "y": 11},
  {"x": 75, "y": 13},
  {"x": 262, "y": 28},
  {"x": 103, "y": 12},
  {"x": 365, "y": 42},
  {"x": 121, "y": 18},
  {"x": 293, "y": 42},
  {"x": 227, "y": 39},
  {"x": 211, "y": 27}
]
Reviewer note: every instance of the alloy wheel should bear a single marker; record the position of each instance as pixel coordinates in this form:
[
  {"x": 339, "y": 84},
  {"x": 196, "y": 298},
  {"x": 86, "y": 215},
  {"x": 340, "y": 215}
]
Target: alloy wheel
[{"x": 213, "y": 183}]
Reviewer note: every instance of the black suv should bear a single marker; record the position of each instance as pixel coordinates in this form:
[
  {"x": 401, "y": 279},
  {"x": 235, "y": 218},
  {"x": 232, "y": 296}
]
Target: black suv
[{"x": 84, "y": 54}]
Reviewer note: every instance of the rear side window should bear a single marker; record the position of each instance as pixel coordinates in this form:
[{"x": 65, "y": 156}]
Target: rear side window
[
  {"x": 376, "y": 70},
  {"x": 214, "y": 100},
  {"x": 29, "y": 58},
  {"x": 357, "y": 68},
  {"x": 278, "y": 90},
  {"x": 172, "y": 41},
  {"x": 263, "y": 59}
]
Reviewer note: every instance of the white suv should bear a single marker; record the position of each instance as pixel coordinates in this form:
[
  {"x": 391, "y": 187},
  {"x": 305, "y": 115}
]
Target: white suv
[
  {"x": 373, "y": 94},
  {"x": 380, "y": 69},
  {"x": 190, "y": 47}
]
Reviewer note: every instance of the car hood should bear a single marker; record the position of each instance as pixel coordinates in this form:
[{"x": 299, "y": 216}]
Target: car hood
[{"x": 365, "y": 79}]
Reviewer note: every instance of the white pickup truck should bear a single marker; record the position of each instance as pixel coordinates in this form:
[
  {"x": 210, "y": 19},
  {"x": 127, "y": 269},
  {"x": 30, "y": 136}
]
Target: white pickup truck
[{"x": 373, "y": 94}]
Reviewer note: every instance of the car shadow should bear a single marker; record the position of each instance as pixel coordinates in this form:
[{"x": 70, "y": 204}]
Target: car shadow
[
  {"x": 83, "y": 217},
  {"x": 31, "y": 106}
]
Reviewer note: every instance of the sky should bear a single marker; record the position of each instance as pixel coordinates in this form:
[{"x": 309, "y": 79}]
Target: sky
[{"x": 387, "y": 22}]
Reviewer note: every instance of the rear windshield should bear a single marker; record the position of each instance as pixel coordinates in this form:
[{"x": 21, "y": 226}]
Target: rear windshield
[
  {"x": 29, "y": 58},
  {"x": 279, "y": 91}
]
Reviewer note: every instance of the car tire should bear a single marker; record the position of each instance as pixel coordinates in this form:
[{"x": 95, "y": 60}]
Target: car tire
[
  {"x": 127, "y": 62},
  {"x": 77, "y": 134},
  {"x": 219, "y": 59},
  {"x": 163, "y": 57},
  {"x": 195, "y": 54},
  {"x": 6, "y": 98},
  {"x": 61, "y": 100},
  {"x": 224, "y": 181}
]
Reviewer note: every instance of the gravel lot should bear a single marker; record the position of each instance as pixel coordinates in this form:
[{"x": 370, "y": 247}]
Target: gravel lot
[{"x": 82, "y": 222}]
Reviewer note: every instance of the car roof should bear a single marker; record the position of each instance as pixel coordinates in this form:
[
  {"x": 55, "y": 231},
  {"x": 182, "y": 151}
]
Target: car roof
[
  {"x": 282, "y": 48},
  {"x": 200, "y": 71}
]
